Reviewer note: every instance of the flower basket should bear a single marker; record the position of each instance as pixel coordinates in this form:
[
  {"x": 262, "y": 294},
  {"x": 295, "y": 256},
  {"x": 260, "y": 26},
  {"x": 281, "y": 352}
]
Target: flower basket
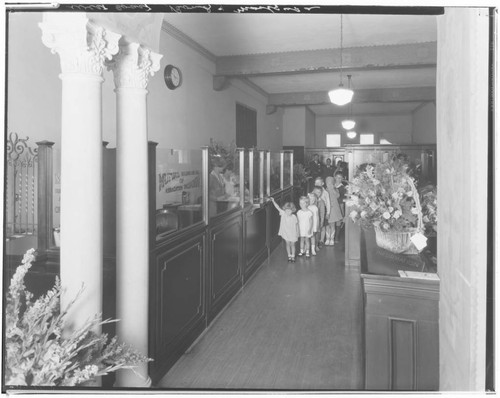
[
  {"x": 395, "y": 241},
  {"x": 398, "y": 241}
]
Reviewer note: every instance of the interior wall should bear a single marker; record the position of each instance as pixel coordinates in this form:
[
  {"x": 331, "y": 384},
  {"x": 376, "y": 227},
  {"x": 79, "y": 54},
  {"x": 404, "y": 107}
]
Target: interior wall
[
  {"x": 33, "y": 84},
  {"x": 193, "y": 113},
  {"x": 462, "y": 139},
  {"x": 294, "y": 126},
  {"x": 310, "y": 129},
  {"x": 424, "y": 124},
  {"x": 396, "y": 129},
  {"x": 185, "y": 118}
]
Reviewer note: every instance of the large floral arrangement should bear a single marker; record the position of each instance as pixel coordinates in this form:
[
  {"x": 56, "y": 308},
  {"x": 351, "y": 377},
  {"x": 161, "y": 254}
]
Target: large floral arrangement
[
  {"x": 428, "y": 200},
  {"x": 226, "y": 153},
  {"x": 383, "y": 195},
  {"x": 42, "y": 351}
]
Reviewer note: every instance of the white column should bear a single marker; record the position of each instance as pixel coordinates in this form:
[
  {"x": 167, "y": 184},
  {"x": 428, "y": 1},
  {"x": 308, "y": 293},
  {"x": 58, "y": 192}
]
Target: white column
[
  {"x": 82, "y": 48},
  {"x": 132, "y": 68}
]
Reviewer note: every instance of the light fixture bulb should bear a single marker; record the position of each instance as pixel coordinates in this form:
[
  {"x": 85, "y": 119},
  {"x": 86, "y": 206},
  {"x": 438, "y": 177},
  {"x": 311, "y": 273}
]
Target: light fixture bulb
[
  {"x": 348, "y": 124},
  {"x": 340, "y": 96},
  {"x": 351, "y": 134}
]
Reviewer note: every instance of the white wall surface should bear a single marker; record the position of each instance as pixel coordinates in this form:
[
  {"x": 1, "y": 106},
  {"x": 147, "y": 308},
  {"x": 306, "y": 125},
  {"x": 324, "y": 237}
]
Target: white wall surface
[
  {"x": 294, "y": 126},
  {"x": 310, "y": 129}
]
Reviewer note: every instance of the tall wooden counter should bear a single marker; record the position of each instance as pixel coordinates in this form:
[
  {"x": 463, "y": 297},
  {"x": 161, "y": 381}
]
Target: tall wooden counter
[{"x": 401, "y": 335}]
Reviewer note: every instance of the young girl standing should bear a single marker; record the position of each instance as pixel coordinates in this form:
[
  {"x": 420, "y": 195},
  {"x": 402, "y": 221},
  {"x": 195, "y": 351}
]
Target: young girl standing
[
  {"x": 315, "y": 228},
  {"x": 335, "y": 212},
  {"x": 289, "y": 227},
  {"x": 322, "y": 214},
  {"x": 305, "y": 218}
]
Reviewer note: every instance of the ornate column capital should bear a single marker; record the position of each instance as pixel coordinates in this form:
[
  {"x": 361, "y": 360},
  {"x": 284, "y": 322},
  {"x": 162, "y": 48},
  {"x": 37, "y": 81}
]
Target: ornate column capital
[
  {"x": 133, "y": 65},
  {"x": 82, "y": 45}
]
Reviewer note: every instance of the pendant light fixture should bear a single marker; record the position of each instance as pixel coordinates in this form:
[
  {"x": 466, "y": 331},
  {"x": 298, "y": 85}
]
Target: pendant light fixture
[
  {"x": 349, "y": 123},
  {"x": 351, "y": 134},
  {"x": 341, "y": 96}
]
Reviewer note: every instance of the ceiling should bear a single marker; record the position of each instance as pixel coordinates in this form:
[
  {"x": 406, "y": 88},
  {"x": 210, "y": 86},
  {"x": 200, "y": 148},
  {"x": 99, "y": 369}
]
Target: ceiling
[{"x": 284, "y": 55}]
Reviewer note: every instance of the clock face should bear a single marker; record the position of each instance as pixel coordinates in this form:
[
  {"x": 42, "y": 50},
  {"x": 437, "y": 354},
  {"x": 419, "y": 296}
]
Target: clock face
[
  {"x": 176, "y": 77},
  {"x": 173, "y": 77}
]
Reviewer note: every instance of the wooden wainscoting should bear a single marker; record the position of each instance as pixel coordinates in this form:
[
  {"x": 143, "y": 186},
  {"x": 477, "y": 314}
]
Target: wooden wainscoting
[
  {"x": 225, "y": 262},
  {"x": 401, "y": 333},
  {"x": 255, "y": 241},
  {"x": 177, "y": 300}
]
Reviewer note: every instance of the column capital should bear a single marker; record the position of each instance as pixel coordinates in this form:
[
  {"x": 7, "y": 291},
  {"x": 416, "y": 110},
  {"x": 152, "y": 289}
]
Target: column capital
[
  {"x": 134, "y": 65},
  {"x": 82, "y": 45}
]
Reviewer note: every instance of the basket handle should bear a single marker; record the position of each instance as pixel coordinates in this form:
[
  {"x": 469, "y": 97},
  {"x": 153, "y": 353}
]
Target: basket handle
[{"x": 420, "y": 224}]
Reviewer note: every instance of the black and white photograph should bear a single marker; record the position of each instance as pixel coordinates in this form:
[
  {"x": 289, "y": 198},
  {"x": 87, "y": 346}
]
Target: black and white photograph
[{"x": 249, "y": 198}]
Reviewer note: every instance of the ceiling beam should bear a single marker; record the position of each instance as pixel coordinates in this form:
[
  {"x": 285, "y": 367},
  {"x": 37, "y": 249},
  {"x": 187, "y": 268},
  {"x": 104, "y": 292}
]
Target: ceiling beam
[
  {"x": 355, "y": 58},
  {"x": 410, "y": 94}
]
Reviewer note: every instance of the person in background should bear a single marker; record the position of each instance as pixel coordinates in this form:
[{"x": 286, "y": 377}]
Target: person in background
[
  {"x": 289, "y": 227},
  {"x": 230, "y": 181},
  {"x": 342, "y": 167},
  {"x": 340, "y": 185},
  {"x": 329, "y": 169},
  {"x": 313, "y": 199},
  {"x": 216, "y": 185},
  {"x": 335, "y": 212},
  {"x": 315, "y": 167},
  {"x": 320, "y": 234},
  {"x": 305, "y": 217},
  {"x": 325, "y": 197}
]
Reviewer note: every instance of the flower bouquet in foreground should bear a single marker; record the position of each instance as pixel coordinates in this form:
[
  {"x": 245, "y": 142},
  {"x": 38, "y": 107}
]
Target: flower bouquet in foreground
[
  {"x": 42, "y": 351},
  {"x": 384, "y": 196}
]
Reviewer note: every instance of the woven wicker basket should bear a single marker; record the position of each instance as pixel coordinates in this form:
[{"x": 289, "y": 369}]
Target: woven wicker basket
[{"x": 400, "y": 242}]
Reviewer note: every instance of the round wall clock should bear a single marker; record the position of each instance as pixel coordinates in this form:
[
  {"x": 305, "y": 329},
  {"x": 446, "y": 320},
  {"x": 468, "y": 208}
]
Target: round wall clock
[{"x": 172, "y": 76}]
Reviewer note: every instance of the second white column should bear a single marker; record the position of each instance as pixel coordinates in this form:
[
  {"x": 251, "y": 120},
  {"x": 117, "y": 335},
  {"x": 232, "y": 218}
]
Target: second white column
[{"x": 132, "y": 68}]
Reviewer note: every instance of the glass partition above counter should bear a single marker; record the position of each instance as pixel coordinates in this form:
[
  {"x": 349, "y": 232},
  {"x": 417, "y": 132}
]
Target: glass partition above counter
[
  {"x": 224, "y": 182},
  {"x": 287, "y": 169},
  {"x": 275, "y": 172},
  {"x": 179, "y": 191}
]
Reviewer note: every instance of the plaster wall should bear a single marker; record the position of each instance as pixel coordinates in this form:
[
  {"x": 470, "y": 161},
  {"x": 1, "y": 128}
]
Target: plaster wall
[
  {"x": 310, "y": 129},
  {"x": 424, "y": 124},
  {"x": 294, "y": 126},
  {"x": 462, "y": 145}
]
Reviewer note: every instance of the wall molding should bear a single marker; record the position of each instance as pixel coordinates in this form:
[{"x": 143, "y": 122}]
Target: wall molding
[{"x": 185, "y": 39}]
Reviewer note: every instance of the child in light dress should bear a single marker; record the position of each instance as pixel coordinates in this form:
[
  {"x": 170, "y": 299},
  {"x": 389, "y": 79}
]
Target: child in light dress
[
  {"x": 289, "y": 227},
  {"x": 335, "y": 212},
  {"x": 305, "y": 217},
  {"x": 313, "y": 199}
]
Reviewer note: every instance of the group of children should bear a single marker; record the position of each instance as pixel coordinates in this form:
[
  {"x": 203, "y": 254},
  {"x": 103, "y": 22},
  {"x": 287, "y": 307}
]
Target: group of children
[{"x": 317, "y": 222}]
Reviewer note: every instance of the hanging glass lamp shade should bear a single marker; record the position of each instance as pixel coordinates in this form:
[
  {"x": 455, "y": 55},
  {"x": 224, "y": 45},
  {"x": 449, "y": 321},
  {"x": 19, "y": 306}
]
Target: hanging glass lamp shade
[
  {"x": 348, "y": 124},
  {"x": 351, "y": 134},
  {"x": 340, "y": 96}
]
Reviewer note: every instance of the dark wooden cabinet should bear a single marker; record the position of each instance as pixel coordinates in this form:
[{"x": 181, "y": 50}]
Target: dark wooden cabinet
[
  {"x": 255, "y": 241},
  {"x": 177, "y": 300},
  {"x": 401, "y": 334},
  {"x": 225, "y": 265}
]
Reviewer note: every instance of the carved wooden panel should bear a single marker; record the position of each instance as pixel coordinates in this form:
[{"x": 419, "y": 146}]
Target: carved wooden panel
[{"x": 402, "y": 353}]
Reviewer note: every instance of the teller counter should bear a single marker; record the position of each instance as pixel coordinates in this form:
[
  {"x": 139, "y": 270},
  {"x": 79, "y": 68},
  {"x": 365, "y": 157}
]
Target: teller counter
[
  {"x": 401, "y": 334},
  {"x": 212, "y": 227}
]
